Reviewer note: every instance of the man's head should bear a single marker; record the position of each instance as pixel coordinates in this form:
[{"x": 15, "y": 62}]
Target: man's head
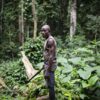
[{"x": 45, "y": 30}]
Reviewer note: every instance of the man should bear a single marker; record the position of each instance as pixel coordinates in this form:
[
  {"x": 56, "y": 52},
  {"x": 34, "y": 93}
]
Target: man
[{"x": 49, "y": 60}]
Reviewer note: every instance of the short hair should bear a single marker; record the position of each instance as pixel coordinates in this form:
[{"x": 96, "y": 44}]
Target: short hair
[{"x": 46, "y": 27}]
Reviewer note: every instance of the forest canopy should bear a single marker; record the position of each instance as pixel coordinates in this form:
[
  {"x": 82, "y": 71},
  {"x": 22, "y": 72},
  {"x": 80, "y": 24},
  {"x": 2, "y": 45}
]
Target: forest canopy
[{"x": 75, "y": 24}]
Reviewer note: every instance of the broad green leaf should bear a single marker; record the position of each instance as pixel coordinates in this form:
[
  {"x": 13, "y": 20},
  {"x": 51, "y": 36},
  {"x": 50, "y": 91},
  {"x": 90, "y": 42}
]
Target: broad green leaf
[
  {"x": 84, "y": 84},
  {"x": 97, "y": 70},
  {"x": 68, "y": 68},
  {"x": 84, "y": 50},
  {"x": 66, "y": 79},
  {"x": 88, "y": 68},
  {"x": 89, "y": 59},
  {"x": 40, "y": 65},
  {"x": 61, "y": 60},
  {"x": 75, "y": 60},
  {"x": 61, "y": 76},
  {"x": 84, "y": 74},
  {"x": 98, "y": 84},
  {"x": 59, "y": 68},
  {"x": 93, "y": 80},
  {"x": 82, "y": 96}
]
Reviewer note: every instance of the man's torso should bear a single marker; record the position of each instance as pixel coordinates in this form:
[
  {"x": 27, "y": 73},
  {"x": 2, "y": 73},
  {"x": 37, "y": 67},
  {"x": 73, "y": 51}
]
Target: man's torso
[{"x": 46, "y": 53}]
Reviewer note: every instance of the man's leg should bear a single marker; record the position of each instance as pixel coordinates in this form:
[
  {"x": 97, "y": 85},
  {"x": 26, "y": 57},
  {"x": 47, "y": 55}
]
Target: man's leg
[{"x": 51, "y": 81}]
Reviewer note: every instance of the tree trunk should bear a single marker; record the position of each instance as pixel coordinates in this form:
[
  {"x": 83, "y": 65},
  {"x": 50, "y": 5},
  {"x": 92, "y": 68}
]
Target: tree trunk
[
  {"x": 30, "y": 71},
  {"x": 27, "y": 27},
  {"x": 34, "y": 19},
  {"x": 1, "y": 18},
  {"x": 73, "y": 18},
  {"x": 21, "y": 25}
]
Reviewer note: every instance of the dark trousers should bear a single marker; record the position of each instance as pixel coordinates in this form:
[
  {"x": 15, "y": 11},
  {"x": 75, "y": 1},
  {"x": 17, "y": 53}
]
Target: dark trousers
[{"x": 50, "y": 80}]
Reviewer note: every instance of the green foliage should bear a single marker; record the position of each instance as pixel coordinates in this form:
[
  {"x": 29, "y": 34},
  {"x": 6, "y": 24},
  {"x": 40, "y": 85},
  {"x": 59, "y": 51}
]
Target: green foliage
[
  {"x": 77, "y": 75},
  {"x": 78, "y": 72},
  {"x": 13, "y": 72},
  {"x": 34, "y": 49},
  {"x": 14, "y": 76},
  {"x": 8, "y": 50},
  {"x": 93, "y": 25}
]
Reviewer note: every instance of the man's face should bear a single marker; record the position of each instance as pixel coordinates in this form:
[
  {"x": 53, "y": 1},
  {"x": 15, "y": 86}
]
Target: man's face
[{"x": 44, "y": 32}]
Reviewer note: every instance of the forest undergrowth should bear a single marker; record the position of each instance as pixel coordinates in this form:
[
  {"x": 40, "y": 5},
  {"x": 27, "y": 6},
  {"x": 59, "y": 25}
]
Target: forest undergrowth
[{"x": 77, "y": 75}]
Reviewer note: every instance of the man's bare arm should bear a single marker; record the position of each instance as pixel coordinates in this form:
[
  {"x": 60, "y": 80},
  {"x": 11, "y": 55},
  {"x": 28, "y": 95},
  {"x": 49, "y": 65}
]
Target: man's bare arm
[{"x": 50, "y": 46}]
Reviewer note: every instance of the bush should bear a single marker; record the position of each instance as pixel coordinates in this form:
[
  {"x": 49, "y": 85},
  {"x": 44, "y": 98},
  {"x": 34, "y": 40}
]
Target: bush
[
  {"x": 13, "y": 72},
  {"x": 92, "y": 27},
  {"x": 8, "y": 50},
  {"x": 34, "y": 49}
]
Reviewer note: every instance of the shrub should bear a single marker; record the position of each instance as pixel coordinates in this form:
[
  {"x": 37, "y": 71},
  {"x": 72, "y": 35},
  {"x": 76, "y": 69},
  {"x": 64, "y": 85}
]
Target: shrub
[{"x": 34, "y": 49}]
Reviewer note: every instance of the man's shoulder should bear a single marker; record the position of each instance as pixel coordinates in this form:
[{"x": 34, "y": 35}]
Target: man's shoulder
[
  {"x": 51, "y": 41},
  {"x": 51, "y": 38}
]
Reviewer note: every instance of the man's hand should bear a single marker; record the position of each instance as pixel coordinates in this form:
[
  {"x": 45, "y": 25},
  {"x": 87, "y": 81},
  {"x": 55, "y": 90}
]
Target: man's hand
[{"x": 46, "y": 71}]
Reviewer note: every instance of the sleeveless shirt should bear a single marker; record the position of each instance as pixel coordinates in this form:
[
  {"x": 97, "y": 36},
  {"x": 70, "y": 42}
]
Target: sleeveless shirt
[{"x": 46, "y": 54}]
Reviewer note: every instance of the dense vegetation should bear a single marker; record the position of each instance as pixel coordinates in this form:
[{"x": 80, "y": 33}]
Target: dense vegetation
[
  {"x": 78, "y": 72},
  {"x": 77, "y": 75}
]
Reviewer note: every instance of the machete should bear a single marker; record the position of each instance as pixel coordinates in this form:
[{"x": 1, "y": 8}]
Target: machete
[{"x": 35, "y": 75}]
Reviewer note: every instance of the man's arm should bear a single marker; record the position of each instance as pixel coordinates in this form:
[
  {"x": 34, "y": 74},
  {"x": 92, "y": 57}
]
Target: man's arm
[{"x": 50, "y": 46}]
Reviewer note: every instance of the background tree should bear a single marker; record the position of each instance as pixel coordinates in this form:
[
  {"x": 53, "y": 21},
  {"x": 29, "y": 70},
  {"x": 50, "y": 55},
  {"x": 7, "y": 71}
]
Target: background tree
[
  {"x": 73, "y": 18},
  {"x": 21, "y": 22},
  {"x": 34, "y": 12},
  {"x": 1, "y": 18}
]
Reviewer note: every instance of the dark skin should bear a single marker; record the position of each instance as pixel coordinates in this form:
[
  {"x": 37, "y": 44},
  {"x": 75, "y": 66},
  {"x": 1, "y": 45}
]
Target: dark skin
[{"x": 50, "y": 45}]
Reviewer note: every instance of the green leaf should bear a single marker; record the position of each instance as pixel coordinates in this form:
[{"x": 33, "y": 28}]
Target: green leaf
[
  {"x": 84, "y": 50},
  {"x": 75, "y": 60},
  {"x": 68, "y": 94},
  {"x": 76, "y": 80},
  {"x": 97, "y": 70},
  {"x": 40, "y": 65},
  {"x": 89, "y": 59},
  {"x": 61, "y": 60},
  {"x": 88, "y": 68},
  {"x": 93, "y": 80},
  {"x": 84, "y": 84},
  {"x": 66, "y": 79},
  {"x": 82, "y": 96},
  {"x": 68, "y": 68},
  {"x": 84, "y": 74}
]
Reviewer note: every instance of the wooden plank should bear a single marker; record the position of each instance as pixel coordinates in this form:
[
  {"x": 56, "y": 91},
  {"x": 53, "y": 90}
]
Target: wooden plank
[
  {"x": 46, "y": 97},
  {"x": 30, "y": 71}
]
